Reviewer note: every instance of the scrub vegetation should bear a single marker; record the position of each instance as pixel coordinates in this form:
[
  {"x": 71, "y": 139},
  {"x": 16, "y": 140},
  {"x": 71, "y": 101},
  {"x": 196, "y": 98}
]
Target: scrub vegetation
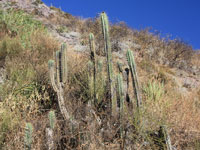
[{"x": 94, "y": 99}]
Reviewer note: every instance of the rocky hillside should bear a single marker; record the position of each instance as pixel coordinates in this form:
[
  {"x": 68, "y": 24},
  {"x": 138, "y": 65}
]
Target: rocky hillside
[{"x": 168, "y": 73}]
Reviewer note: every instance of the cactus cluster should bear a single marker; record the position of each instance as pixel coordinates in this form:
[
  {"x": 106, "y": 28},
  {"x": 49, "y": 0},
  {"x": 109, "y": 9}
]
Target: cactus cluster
[{"x": 58, "y": 76}]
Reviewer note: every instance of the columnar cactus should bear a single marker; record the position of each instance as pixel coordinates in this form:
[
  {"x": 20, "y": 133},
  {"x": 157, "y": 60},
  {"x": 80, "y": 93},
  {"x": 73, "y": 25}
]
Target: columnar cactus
[
  {"x": 64, "y": 62},
  {"x": 107, "y": 48},
  {"x": 50, "y": 131},
  {"x": 52, "y": 119},
  {"x": 61, "y": 64},
  {"x": 90, "y": 78},
  {"x": 28, "y": 136},
  {"x": 57, "y": 58},
  {"x": 107, "y": 45},
  {"x": 61, "y": 77},
  {"x": 93, "y": 58},
  {"x": 120, "y": 91},
  {"x": 132, "y": 67},
  {"x": 51, "y": 65}
]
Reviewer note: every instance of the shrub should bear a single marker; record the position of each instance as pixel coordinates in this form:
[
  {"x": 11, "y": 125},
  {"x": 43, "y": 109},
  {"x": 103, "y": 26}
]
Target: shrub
[{"x": 19, "y": 23}]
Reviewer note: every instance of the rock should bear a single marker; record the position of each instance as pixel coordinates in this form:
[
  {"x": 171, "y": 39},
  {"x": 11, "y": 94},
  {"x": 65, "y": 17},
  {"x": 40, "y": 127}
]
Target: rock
[{"x": 72, "y": 38}]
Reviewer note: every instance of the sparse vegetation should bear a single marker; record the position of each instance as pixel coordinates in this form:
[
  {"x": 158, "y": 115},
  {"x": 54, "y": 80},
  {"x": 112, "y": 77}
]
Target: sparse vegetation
[{"x": 91, "y": 112}]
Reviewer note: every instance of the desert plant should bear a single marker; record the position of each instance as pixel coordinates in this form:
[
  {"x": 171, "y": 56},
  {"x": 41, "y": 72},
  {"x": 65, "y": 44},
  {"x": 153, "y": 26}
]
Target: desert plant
[
  {"x": 107, "y": 49},
  {"x": 132, "y": 66},
  {"x": 28, "y": 136},
  {"x": 120, "y": 93},
  {"x": 52, "y": 119},
  {"x": 60, "y": 76},
  {"x": 93, "y": 58},
  {"x": 90, "y": 79},
  {"x": 63, "y": 64}
]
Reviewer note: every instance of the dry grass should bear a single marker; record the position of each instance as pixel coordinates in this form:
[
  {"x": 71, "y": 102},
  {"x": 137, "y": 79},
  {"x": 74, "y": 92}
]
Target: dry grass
[
  {"x": 183, "y": 115},
  {"x": 27, "y": 94}
]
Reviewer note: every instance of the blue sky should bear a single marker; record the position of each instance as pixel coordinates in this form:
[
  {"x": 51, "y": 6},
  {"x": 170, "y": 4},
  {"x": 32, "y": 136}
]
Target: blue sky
[{"x": 178, "y": 18}]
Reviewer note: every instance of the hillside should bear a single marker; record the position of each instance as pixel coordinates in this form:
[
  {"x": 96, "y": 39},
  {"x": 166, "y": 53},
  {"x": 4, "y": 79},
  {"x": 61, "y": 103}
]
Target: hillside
[{"x": 73, "y": 98}]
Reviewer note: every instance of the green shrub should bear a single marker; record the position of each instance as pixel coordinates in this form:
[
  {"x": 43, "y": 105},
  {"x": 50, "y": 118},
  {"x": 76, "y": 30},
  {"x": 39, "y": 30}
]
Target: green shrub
[
  {"x": 21, "y": 24},
  {"x": 154, "y": 90}
]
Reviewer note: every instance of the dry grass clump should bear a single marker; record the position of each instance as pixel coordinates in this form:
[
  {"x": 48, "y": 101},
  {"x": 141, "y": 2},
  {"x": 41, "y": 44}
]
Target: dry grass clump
[{"x": 183, "y": 115}]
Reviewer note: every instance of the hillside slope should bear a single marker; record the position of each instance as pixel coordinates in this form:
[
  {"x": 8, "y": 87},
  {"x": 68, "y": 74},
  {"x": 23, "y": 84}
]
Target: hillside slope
[{"x": 168, "y": 74}]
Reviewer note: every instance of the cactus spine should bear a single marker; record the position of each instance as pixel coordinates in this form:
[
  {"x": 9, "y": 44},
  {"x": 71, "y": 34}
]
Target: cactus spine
[
  {"x": 93, "y": 58},
  {"x": 107, "y": 48},
  {"x": 28, "y": 136},
  {"x": 61, "y": 77},
  {"x": 120, "y": 91},
  {"x": 52, "y": 119},
  {"x": 132, "y": 67}
]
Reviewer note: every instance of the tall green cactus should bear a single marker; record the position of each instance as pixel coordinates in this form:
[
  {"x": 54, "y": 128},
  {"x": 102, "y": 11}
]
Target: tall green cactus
[
  {"x": 93, "y": 58},
  {"x": 90, "y": 78},
  {"x": 107, "y": 48},
  {"x": 28, "y": 136},
  {"x": 64, "y": 62},
  {"x": 61, "y": 76},
  {"x": 57, "y": 58},
  {"x": 61, "y": 64},
  {"x": 120, "y": 91},
  {"x": 134, "y": 76},
  {"x": 51, "y": 65},
  {"x": 52, "y": 119}
]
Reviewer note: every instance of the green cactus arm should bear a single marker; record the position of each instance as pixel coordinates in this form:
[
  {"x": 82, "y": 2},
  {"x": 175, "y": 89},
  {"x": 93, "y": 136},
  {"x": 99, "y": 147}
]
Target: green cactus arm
[
  {"x": 52, "y": 119},
  {"x": 58, "y": 73},
  {"x": 64, "y": 62},
  {"x": 107, "y": 47},
  {"x": 93, "y": 58},
  {"x": 120, "y": 91},
  {"x": 134, "y": 76},
  {"x": 51, "y": 65}
]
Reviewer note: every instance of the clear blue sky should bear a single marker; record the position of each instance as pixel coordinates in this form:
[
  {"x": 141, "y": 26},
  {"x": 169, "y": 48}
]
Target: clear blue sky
[{"x": 179, "y": 18}]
